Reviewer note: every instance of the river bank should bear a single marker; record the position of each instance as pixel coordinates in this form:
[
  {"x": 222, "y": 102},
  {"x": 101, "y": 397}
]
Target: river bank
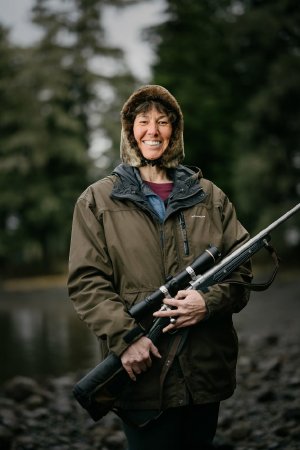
[
  {"x": 40, "y": 413},
  {"x": 264, "y": 412}
]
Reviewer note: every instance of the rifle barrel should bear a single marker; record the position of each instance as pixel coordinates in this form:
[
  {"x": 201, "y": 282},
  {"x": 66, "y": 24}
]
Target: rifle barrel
[
  {"x": 283, "y": 218},
  {"x": 241, "y": 254}
]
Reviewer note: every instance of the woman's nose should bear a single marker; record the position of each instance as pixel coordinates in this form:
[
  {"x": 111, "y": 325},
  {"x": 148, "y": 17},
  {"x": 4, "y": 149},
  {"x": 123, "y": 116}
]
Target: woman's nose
[{"x": 152, "y": 127}]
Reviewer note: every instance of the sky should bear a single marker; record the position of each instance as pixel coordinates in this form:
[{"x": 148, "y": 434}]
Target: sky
[{"x": 123, "y": 28}]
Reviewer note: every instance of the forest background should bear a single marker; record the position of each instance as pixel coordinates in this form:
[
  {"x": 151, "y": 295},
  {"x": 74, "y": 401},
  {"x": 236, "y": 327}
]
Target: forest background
[{"x": 234, "y": 67}]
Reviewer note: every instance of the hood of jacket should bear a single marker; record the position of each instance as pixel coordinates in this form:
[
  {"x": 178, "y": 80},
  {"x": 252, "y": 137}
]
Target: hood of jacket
[{"x": 129, "y": 151}]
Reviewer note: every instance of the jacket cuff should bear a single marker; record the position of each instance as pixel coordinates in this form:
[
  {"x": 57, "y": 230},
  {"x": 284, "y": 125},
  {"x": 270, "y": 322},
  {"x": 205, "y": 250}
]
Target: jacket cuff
[
  {"x": 208, "y": 311},
  {"x": 134, "y": 334}
]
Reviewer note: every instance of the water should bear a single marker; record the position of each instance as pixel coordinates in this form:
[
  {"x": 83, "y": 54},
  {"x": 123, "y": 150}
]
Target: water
[{"x": 41, "y": 335}]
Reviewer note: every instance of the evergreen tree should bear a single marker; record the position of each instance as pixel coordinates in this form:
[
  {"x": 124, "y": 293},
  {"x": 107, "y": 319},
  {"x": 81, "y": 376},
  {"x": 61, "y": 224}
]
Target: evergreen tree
[
  {"x": 54, "y": 103},
  {"x": 234, "y": 67},
  {"x": 265, "y": 45},
  {"x": 20, "y": 125},
  {"x": 191, "y": 61}
]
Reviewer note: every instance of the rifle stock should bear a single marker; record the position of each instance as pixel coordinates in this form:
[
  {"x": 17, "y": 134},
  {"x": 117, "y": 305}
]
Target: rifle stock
[{"x": 99, "y": 389}]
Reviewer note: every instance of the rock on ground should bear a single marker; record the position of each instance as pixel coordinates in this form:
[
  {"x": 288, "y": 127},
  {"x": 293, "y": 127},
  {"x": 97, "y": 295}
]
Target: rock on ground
[{"x": 264, "y": 412}]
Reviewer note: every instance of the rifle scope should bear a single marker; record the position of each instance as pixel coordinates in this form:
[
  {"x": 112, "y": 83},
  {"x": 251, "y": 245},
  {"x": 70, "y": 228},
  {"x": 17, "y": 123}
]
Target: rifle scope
[{"x": 202, "y": 263}]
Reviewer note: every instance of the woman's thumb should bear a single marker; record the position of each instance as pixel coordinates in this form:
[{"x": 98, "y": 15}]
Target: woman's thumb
[{"x": 154, "y": 351}]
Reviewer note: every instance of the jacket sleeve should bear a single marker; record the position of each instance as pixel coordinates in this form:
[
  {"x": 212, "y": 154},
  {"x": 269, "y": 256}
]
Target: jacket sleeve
[
  {"x": 225, "y": 297},
  {"x": 90, "y": 280}
]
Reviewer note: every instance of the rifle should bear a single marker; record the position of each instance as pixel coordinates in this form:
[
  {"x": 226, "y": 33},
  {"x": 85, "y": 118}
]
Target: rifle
[{"x": 98, "y": 390}]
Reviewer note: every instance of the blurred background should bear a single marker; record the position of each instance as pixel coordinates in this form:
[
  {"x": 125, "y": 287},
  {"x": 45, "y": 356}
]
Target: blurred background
[{"x": 66, "y": 68}]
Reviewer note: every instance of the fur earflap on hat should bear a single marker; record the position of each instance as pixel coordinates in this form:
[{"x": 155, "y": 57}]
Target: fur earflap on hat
[{"x": 129, "y": 151}]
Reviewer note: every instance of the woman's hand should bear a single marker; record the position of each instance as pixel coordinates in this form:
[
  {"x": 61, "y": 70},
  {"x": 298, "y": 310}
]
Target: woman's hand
[
  {"x": 137, "y": 357},
  {"x": 189, "y": 309}
]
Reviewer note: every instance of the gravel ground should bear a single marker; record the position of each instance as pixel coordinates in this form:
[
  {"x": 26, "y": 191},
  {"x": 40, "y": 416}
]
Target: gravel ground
[{"x": 264, "y": 412}]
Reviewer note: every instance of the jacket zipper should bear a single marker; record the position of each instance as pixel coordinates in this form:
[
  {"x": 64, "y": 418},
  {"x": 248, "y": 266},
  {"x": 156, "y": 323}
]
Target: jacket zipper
[
  {"x": 161, "y": 237},
  {"x": 184, "y": 233}
]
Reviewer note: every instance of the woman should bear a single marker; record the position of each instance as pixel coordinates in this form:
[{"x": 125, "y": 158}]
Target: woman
[{"x": 132, "y": 230}]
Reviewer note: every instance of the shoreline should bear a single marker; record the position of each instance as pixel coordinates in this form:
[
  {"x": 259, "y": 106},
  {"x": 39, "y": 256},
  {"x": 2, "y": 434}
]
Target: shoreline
[
  {"x": 262, "y": 414},
  {"x": 17, "y": 284}
]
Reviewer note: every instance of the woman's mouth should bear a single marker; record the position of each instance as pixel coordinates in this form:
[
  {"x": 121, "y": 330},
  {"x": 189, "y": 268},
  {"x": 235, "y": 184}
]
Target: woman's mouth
[{"x": 152, "y": 143}]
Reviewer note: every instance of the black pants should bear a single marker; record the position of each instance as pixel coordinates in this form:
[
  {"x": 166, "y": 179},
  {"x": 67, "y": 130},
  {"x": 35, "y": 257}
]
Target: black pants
[{"x": 190, "y": 427}]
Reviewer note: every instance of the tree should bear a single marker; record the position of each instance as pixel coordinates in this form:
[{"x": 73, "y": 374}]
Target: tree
[
  {"x": 19, "y": 122},
  {"x": 234, "y": 67},
  {"x": 265, "y": 45},
  {"x": 192, "y": 62},
  {"x": 54, "y": 104}
]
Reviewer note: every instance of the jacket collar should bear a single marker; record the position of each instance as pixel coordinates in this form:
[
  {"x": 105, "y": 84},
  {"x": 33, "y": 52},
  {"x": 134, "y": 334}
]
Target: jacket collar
[{"x": 186, "y": 192}]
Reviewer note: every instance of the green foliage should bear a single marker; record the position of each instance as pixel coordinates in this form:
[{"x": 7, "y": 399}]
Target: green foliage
[
  {"x": 51, "y": 104},
  {"x": 234, "y": 66},
  {"x": 266, "y": 49},
  {"x": 192, "y": 63}
]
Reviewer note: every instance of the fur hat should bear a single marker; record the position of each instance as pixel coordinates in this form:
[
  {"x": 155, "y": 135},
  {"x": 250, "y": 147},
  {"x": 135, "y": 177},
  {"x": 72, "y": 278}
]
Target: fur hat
[{"x": 129, "y": 151}]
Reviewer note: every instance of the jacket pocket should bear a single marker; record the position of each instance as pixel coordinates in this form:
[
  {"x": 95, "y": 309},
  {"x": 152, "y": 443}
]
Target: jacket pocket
[
  {"x": 133, "y": 297},
  {"x": 146, "y": 319}
]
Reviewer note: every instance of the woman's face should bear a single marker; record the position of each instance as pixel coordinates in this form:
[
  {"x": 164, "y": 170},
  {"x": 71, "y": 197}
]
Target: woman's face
[{"x": 152, "y": 131}]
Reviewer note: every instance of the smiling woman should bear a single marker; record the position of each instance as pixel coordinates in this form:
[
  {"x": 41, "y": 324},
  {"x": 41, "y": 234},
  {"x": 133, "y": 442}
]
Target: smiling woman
[
  {"x": 152, "y": 130},
  {"x": 131, "y": 231}
]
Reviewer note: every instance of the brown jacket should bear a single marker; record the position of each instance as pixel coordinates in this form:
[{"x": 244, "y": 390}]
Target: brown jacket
[{"x": 121, "y": 252}]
